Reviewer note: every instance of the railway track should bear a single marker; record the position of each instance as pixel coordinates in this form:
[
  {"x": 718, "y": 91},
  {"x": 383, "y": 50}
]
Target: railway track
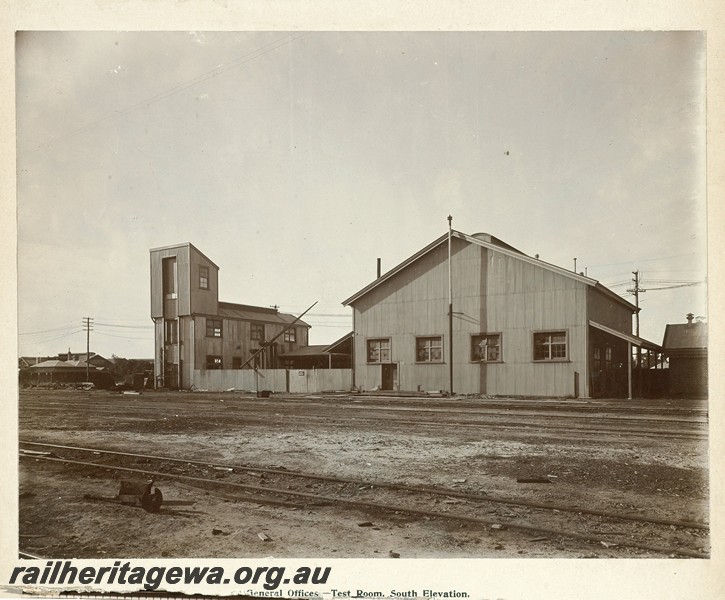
[
  {"x": 647, "y": 426},
  {"x": 253, "y": 483}
]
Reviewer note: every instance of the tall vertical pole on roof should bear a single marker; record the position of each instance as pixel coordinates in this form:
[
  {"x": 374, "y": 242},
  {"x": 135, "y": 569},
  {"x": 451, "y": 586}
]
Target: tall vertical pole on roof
[{"x": 450, "y": 309}]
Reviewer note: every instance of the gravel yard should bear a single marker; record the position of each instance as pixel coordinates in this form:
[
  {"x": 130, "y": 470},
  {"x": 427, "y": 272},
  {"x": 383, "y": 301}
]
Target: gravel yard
[{"x": 639, "y": 457}]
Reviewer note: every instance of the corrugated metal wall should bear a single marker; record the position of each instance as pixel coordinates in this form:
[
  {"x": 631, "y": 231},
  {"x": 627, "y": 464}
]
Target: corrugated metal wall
[
  {"x": 275, "y": 380},
  {"x": 492, "y": 293},
  {"x": 303, "y": 381}
]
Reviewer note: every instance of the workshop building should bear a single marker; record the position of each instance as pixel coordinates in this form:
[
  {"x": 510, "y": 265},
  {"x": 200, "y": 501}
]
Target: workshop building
[
  {"x": 194, "y": 331},
  {"x": 520, "y": 326}
]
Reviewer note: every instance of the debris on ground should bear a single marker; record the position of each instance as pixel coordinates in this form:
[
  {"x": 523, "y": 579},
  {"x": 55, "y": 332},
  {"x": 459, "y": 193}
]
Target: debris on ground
[
  {"x": 533, "y": 480},
  {"x": 498, "y": 527},
  {"x": 35, "y": 453},
  {"x": 216, "y": 531},
  {"x": 134, "y": 493},
  {"x": 394, "y": 554},
  {"x": 264, "y": 537},
  {"x": 365, "y": 524}
]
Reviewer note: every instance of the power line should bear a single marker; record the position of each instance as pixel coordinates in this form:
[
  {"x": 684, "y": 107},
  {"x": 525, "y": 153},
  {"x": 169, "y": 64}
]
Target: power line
[
  {"x": 69, "y": 326},
  {"x": 127, "y": 326},
  {"x": 125, "y": 337},
  {"x": 60, "y": 337},
  {"x": 177, "y": 88},
  {"x": 630, "y": 262}
]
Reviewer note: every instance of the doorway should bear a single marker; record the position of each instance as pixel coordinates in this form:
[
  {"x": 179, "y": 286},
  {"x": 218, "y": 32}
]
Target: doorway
[{"x": 389, "y": 376}]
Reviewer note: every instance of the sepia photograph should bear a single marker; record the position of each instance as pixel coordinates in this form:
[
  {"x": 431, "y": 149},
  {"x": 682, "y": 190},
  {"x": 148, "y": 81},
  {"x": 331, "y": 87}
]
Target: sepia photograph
[{"x": 359, "y": 295}]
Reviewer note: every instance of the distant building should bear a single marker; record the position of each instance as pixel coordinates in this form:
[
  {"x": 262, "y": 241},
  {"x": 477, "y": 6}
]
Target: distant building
[
  {"x": 194, "y": 331},
  {"x": 521, "y": 326},
  {"x": 685, "y": 345},
  {"x": 65, "y": 372},
  {"x": 96, "y": 359}
]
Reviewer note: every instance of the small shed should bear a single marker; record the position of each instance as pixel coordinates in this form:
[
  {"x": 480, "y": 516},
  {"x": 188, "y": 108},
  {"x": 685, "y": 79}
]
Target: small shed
[{"x": 685, "y": 345}]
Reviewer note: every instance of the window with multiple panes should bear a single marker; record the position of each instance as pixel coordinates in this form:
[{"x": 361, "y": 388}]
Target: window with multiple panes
[
  {"x": 429, "y": 349},
  {"x": 550, "y": 345},
  {"x": 608, "y": 358},
  {"x": 597, "y": 359},
  {"x": 171, "y": 331},
  {"x": 290, "y": 335},
  {"x": 204, "y": 278},
  {"x": 486, "y": 347},
  {"x": 379, "y": 350},
  {"x": 213, "y": 328},
  {"x": 257, "y": 331},
  {"x": 213, "y": 362}
]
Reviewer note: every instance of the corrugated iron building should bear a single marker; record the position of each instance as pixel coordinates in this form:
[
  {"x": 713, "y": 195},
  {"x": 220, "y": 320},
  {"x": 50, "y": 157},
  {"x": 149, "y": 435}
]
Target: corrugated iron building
[
  {"x": 521, "y": 326},
  {"x": 195, "y": 331}
]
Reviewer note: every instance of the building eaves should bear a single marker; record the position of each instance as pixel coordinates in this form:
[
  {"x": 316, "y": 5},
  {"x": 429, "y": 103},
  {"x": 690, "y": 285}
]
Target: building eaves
[
  {"x": 681, "y": 336},
  {"x": 383, "y": 278},
  {"x": 496, "y": 246},
  {"x": 306, "y": 351},
  {"x": 262, "y": 314},
  {"x": 185, "y": 245},
  {"x": 332, "y": 347},
  {"x": 633, "y": 339}
]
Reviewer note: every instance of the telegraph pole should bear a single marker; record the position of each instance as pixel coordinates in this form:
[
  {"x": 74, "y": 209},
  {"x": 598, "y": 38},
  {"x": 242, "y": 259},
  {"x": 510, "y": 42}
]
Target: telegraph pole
[
  {"x": 450, "y": 310},
  {"x": 636, "y": 291},
  {"x": 87, "y": 327}
]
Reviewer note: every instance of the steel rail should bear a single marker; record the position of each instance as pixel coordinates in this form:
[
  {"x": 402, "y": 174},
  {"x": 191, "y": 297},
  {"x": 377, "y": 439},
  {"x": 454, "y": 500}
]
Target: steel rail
[
  {"x": 388, "y": 485},
  {"x": 632, "y": 414},
  {"x": 695, "y": 430},
  {"x": 385, "y": 507}
]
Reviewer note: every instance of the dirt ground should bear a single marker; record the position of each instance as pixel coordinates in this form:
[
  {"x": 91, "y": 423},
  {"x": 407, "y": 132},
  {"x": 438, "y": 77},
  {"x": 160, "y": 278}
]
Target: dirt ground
[{"x": 655, "y": 464}]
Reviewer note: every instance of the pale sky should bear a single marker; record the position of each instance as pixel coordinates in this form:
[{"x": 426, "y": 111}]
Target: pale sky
[{"x": 294, "y": 160}]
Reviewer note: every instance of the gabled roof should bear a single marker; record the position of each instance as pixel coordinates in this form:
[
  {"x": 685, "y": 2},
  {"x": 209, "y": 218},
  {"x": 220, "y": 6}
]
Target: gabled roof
[
  {"x": 262, "y": 314},
  {"x": 186, "y": 245},
  {"x": 680, "y": 336},
  {"x": 61, "y": 364},
  {"x": 491, "y": 243}
]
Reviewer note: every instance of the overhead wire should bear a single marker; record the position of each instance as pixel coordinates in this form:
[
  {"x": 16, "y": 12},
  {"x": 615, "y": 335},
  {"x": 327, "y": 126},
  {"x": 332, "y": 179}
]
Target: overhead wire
[{"x": 264, "y": 49}]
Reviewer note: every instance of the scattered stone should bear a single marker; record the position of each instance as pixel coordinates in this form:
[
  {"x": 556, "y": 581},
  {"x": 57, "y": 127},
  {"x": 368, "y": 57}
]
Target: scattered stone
[
  {"x": 498, "y": 527},
  {"x": 394, "y": 554},
  {"x": 216, "y": 531},
  {"x": 365, "y": 524}
]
